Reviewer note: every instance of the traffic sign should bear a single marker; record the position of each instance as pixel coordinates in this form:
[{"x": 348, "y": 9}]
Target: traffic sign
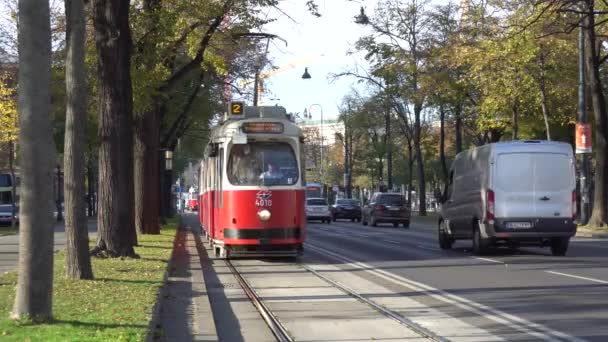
[{"x": 583, "y": 138}]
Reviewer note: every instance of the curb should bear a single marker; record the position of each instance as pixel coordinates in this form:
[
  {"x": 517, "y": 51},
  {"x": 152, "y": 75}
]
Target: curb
[
  {"x": 153, "y": 324},
  {"x": 592, "y": 234}
]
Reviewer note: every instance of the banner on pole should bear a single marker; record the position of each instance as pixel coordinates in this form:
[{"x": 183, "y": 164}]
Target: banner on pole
[{"x": 583, "y": 138}]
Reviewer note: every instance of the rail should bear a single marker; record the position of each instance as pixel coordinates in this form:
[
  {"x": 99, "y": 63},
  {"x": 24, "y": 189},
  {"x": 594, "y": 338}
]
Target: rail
[{"x": 273, "y": 323}]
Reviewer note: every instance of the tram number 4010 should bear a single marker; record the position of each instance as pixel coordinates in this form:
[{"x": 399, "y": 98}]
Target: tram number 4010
[{"x": 262, "y": 202}]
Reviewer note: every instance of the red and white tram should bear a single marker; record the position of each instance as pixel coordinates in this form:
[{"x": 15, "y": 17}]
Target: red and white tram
[
  {"x": 252, "y": 191},
  {"x": 193, "y": 198}
]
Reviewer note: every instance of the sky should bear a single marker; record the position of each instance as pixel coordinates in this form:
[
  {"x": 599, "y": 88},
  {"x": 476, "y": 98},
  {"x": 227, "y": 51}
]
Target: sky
[{"x": 321, "y": 44}]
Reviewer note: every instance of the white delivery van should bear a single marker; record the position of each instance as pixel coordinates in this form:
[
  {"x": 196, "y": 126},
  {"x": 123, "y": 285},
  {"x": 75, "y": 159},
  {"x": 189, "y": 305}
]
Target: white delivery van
[{"x": 519, "y": 193}]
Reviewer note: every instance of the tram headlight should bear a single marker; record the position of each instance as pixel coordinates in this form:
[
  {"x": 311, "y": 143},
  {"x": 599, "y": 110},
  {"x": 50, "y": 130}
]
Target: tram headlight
[{"x": 264, "y": 215}]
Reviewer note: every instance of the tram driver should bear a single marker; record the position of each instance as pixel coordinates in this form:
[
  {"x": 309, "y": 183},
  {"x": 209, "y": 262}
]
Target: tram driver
[{"x": 272, "y": 174}]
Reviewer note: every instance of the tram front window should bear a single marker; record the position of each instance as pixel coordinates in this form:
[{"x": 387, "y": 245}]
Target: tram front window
[{"x": 262, "y": 163}]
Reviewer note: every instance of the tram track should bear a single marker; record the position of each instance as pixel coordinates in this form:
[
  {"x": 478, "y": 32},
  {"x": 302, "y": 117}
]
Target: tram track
[
  {"x": 423, "y": 332},
  {"x": 279, "y": 330},
  {"x": 275, "y": 326}
]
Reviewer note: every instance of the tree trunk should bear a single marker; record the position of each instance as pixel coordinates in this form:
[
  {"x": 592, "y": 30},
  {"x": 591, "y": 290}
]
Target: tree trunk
[
  {"x": 543, "y": 95},
  {"x": 514, "y": 122},
  {"x": 410, "y": 177},
  {"x": 35, "y": 279},
  {"x": 116, "y": 227},
  {"x": 419, "y": 160},
  {"x": 146, "y": 137},
  {"x": 91, "y": 187},
  {"x": 389, "y": 150},
  {"x": 599, "y": 215},
  {"x": 11, "y": 165},
  {"x": 77, "y": 260},
  {"x": 458, "y": 128},
  {"x": 146, "y": 173},
  {"x": 444, "y": 168}
]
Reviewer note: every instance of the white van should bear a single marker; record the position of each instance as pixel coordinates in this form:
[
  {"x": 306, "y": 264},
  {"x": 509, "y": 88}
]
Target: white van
[{"x": 519, "y": 193}]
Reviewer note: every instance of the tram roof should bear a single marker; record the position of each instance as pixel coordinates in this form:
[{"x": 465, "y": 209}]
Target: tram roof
[{"x": 257, "y": 114}]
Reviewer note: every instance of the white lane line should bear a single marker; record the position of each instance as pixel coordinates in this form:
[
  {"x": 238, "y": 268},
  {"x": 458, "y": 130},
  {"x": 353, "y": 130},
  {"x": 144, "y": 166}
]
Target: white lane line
[
  {"x": 514, "y": 322},
  {"x": 392, "y": 241},
  {"x": 489, "y": 260},
  {"x": 578, "y": 277}
]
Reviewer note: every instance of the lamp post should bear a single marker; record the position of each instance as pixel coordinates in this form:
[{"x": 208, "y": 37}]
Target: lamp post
[
  {"x": 308, "y": 114},
  {"x": 58, "y": 174},
  {"x": 168, "y": 182}
]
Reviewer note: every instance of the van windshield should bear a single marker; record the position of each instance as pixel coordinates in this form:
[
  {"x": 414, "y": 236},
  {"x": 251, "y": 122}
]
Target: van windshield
[{"x": 520, "y": 172}]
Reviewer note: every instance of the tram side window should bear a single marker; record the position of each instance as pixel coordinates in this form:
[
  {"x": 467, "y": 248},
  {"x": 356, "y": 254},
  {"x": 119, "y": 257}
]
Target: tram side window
[{"x": 262, "y": 163}]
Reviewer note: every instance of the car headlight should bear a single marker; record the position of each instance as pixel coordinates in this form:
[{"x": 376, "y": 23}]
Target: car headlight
[{"x": 264, "y": 215}]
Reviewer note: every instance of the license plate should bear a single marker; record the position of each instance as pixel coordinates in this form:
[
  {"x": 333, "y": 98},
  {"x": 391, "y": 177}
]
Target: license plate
[{"x": 519, "y": 225}]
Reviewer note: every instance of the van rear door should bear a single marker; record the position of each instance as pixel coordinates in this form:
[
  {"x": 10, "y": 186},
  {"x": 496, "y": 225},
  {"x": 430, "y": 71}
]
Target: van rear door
[{"x": 533, "y": 185}]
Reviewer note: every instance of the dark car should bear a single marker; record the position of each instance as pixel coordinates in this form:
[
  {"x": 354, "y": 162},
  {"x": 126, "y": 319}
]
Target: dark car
[
  {"x": 6, "y": 213},
  {"x": 346, "y": 209},
  {"x": 387, "y": 207}
]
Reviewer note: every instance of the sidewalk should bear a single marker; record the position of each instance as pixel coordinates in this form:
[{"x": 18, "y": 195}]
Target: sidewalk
[
  {"x": 185, "y": 310},
  {"x": 591, "y": 233}
]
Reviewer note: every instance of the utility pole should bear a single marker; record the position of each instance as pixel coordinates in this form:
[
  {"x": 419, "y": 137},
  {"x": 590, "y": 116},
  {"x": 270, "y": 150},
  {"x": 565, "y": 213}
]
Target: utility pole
[{"x": 582, "y": 119}]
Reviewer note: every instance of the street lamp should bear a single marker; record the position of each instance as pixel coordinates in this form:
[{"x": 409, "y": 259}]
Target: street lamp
[
  {"x": 58, "y": 174},
  {"x": 168, "y": 160},
  {"x": 306, "y": 75}
]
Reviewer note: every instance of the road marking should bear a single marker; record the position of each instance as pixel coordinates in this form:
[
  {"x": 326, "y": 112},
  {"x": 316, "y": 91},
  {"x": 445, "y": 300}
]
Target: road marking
[
  {"x": 393, "y": 242},
  {"x": 489, "y": 260},
  {"x": 578, "y": 277},
  {"x": 514, "y": 322}
]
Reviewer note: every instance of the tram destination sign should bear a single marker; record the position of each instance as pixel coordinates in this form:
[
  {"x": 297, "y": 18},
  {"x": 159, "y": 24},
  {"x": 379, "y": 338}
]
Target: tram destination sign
[{"x": 263, "y": 127}]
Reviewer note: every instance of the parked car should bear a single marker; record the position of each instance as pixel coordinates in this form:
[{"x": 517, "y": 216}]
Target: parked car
[
  {"x": 318, "y": 209},
  {"x": 346, "y": 208},
  {"x": 515, "y": 194},
  {"x": 6, "y": 212},
  {"x": 386, "y": 207}
]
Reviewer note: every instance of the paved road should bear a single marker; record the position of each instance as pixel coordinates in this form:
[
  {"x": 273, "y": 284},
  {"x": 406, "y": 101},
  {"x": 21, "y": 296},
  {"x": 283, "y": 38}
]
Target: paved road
[
  {"x": 9, "y": 246},
  {"x": 526, "y": 295}
]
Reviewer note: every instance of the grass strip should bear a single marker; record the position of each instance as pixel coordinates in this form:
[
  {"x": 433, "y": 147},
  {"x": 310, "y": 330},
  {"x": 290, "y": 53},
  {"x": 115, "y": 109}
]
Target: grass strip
[
  {"x": 7, "y": 230},
  {"x": 116, "y": 306}
]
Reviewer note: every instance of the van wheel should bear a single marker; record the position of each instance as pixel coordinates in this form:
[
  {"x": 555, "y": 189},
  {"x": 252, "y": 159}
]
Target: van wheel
[
  {"x": 559, "y": 246},
  {"x": 395, "y": 224},
  {"x": 406, "y": 224},
  {"x": 480, "y": 245},
  {"x": 445, "y": 242}
]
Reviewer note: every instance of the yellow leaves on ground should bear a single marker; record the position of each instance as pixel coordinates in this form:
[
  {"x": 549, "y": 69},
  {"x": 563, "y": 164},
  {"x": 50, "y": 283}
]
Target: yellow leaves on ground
[{"x": 8, "y": 111}]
